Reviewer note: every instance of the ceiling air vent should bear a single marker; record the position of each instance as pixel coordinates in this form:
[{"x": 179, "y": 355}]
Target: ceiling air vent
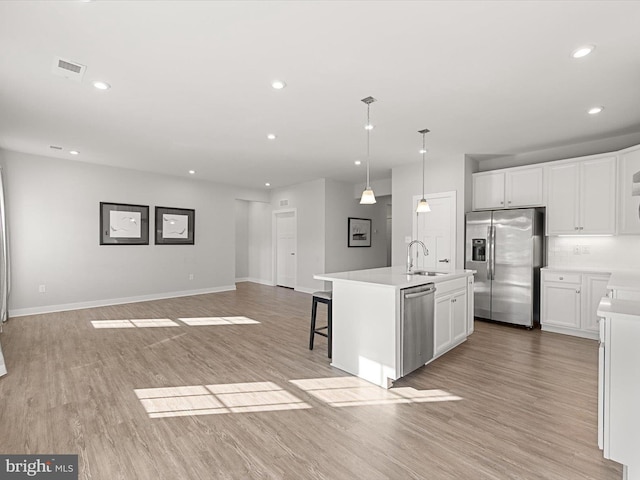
[
  {"x": 284, "y": 203},
  {"x": 71, "y": 70}
]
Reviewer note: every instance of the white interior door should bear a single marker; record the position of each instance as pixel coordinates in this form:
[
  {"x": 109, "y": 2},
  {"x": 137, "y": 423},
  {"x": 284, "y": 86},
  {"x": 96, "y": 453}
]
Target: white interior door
[
  {"x": 437, "y": 229},
  {"x": 286, "y": 249}
]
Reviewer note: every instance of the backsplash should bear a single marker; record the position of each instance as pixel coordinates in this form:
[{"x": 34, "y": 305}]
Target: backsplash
[{"x": 602, "y": 253}]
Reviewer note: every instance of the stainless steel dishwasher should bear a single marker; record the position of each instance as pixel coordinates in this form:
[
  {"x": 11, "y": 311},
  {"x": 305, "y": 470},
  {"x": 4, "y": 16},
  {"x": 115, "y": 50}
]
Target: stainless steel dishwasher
[{"x": 417, "y": 309}]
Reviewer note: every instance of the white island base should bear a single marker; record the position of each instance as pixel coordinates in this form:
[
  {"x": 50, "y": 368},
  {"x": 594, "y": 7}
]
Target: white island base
[{"x": 367, "y": 328}]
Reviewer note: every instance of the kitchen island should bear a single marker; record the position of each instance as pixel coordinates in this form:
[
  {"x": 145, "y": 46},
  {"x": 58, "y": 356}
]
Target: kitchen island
[{"x": 367, "y": 321}]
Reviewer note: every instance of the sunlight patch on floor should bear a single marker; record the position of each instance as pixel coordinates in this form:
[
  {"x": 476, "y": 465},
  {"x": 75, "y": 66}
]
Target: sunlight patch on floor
[
  {"x": 217, "y": 399},
  {"x": 353, "y": 391},
  {"x": 140, "y": 323},
  {"x": 203, "y": 321}
]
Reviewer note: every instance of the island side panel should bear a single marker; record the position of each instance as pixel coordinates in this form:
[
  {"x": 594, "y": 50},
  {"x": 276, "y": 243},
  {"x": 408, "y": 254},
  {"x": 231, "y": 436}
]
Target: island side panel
[{"x": 365, "y": 331}]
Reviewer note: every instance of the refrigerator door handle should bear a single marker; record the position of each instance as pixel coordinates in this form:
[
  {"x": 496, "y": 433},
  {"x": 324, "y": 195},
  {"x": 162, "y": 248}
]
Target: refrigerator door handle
[
  {"x": 492, "y": 248},
  {"x": 489, "y": 253}
]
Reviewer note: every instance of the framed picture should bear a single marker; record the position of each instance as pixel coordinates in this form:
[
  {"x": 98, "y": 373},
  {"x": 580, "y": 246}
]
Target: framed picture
[
  {"x": 359, "y": 232},
  {"x": 124, "y": 224},
  {"x": 175, "y": 226}
]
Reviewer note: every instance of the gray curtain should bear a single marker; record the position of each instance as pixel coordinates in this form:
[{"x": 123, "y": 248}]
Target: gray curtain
[{"x": 4, "y": 271}]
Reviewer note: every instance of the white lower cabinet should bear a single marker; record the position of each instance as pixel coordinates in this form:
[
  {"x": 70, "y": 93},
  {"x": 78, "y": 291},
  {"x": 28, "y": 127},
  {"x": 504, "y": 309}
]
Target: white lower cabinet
[
  {"x": 570, "y": 300},
  {"x": 450, "y": 323},
  {"x": 619, "y": 386}
]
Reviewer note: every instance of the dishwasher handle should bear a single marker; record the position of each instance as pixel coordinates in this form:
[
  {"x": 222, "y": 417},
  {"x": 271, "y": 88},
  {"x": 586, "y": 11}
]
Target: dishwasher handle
[{"x": 429, "y": 291}]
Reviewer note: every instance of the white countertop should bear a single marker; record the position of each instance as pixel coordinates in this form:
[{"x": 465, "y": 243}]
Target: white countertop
[
  {"x": 575, "y": 270},
  {"x": 609, "y": 307},
  {"x": 394, "y": 277},
  {"x": 621, "y": 280}
]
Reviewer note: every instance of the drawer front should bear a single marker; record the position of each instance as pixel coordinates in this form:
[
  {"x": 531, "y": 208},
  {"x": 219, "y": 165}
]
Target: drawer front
[
  {"x": 562, "y": 277},
  {"x": 442, "y": 288},
  {"x": 627, "y": 295}
]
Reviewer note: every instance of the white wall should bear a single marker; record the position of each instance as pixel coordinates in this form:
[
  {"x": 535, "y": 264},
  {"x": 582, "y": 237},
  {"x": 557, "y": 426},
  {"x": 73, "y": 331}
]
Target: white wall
[
  {"x": 590, "y": 147},
  {"x": 340, "y": 205},
  {"x": 621, "y": 252},
  {"x": 53, "y": 219},
  {"x": 309, "y": 201},
  {"x": 441, "y": 175},
  {"x": 260, "y": 254},
  {"x": 242, "y": 239}
]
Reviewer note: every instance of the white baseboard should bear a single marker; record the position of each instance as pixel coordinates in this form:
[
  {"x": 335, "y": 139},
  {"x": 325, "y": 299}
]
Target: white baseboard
[
  {"x": 260, "y": 281},
  {"x": 242, "y": 279},
  {"x": 21, "y": 312}
]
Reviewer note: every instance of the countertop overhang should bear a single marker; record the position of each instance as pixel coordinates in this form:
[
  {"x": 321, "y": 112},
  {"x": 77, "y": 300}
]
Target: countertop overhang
[
  {"x": 612, "y": 307},
  {"x": 392, "y": 277}
]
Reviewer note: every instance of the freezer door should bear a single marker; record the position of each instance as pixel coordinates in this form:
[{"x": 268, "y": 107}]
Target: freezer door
[
  {"x": 512, "y": 270},
  {"x": 478, "y": 227}
]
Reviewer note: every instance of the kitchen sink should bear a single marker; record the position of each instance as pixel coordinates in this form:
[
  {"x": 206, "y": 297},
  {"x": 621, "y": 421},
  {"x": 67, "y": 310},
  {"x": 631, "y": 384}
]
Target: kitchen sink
[{"x": 426, "y": 273}]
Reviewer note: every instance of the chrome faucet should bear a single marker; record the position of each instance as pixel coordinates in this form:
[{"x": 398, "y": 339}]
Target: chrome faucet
[{"x": 409, "y": 260}]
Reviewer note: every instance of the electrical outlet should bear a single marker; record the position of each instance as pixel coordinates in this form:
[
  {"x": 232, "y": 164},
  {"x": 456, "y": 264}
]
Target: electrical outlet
[
  {"x": 576, "y": 250},
  {"x": 586, "y": 249},
  {"x": 191, "y": 276},
  {"x": 42, "y": 288}
]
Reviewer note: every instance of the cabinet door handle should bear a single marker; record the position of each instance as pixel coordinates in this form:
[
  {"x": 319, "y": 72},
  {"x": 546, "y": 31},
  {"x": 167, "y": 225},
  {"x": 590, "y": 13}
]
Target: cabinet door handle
[
  {"x": 577, "y": 290},
  {"x": 581, "y": 228},
  {"x": 576, "y": 228},
  {"x": 444, "y": 260},
  {"x": 509, "y": 201},
  {"x": 501, "y": 203},
  {"x": 561, "y": 278}
]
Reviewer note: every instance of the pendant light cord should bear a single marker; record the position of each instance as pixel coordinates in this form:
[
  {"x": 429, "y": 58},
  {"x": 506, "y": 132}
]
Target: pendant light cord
[
  {"x": 368, "y": 141},
  {"x": 424, "y": 150}
]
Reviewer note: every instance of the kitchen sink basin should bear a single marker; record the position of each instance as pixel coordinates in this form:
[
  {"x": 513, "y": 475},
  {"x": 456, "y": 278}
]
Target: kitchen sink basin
[{"x": 426, "y": 273}]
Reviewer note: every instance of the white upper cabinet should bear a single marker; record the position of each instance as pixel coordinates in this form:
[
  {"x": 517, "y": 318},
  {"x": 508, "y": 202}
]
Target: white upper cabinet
[
  {"x": 581, "y": 197},
  {"x": 488, "y": 190},
  {"x": 523, "y": 187},
  {"x": 629, "y": 192},
  {"x": 508, "y": 188}
]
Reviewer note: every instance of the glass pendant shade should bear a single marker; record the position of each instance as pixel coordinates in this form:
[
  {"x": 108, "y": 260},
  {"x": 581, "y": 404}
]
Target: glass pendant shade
[
  {"x": 423, "y": 206},
  {"x": 368, "y": 198}
]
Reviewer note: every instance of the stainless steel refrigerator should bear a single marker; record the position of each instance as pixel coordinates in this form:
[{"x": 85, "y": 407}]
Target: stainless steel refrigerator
[{"x": 505, "y": 247}]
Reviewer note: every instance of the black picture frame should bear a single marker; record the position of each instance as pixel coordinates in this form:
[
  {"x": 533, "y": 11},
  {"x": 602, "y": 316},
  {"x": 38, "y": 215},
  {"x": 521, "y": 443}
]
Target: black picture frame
[
  {"x": 358, "y": 232},
  {"x": 124, "y": 224},
  {"x": 175, "y": 226}
]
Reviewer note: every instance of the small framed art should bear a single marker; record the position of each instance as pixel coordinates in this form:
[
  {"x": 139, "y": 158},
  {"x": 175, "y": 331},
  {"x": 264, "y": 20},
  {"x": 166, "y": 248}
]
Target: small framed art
[
  {"x": 175, "y": 226},
  {"x": 124, "y": 224}
]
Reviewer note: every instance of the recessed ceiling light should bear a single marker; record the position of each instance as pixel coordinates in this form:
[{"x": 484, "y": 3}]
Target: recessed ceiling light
[
  {"x": 278, "y": 84},
  {"x": 267, "y": 184},
  {"x": 192, "y": 172},
  {"x": 271, "y": 136},
  {"x": 357, "y": 162},
  {"x": 74, "y": 152},
  {"x": 595, "y": 110},
  {"x": 100, "y": 85},
  {"x": 368, "y": 127},
  {"x": 423, "y": 150},
  {"x": 583, "y": 51}
]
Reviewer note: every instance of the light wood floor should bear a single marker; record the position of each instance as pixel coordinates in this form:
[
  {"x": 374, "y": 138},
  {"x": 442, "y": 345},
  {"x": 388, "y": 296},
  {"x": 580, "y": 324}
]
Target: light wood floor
[{"x": 527, "y": 409}]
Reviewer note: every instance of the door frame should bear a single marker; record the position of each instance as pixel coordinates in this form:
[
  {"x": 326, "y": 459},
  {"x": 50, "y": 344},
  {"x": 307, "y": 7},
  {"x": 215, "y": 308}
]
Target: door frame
[
  {"x": 452, "y": 195},
  {"x": 274, "y": 245}
]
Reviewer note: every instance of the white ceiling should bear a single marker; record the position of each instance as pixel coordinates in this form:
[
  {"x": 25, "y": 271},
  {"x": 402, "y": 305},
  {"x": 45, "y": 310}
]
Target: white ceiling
[{"x": 191, "y": 82}]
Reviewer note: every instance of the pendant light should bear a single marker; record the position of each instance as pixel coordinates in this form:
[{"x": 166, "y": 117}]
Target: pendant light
[
  {"x": 423, "y": 205},
  {"x": 368, "y": 198}
]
